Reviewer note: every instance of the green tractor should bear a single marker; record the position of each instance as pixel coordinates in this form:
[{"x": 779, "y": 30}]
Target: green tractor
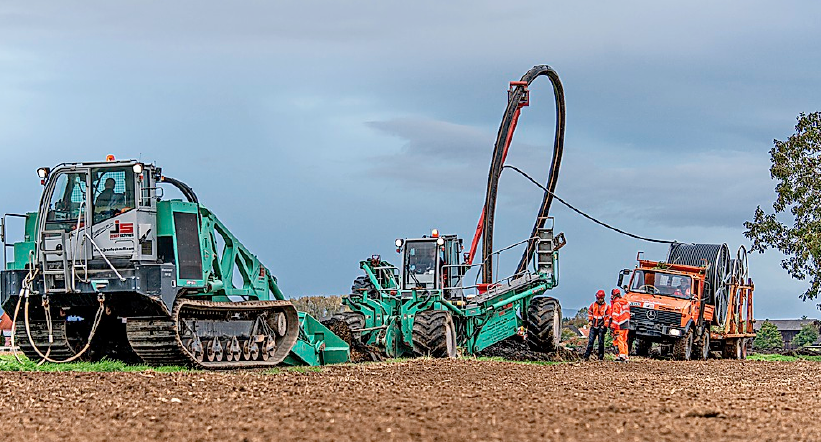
[
  {"x": 109, "y": 269},
  {"x": 423, "y": 307}
]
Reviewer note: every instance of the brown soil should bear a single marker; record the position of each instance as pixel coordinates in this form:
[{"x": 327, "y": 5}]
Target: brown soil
[{"x": 424, "y": 399}]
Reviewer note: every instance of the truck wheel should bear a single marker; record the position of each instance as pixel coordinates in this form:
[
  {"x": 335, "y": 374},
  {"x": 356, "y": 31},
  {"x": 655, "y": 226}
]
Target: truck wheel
[
  {"x": 544, "y": 324},
  {"x": 643, "y": 347},
  {"x": 683, "y": 348},
  {"x": 702, "y": 346},
  {"x": 434, "y": 334},
  {"x": 355, "y": 322},
  {"x": 732, "y": 349}
]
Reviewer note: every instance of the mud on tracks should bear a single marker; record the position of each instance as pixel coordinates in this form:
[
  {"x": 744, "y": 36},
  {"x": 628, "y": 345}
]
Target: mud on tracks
[{"x": 424, "y": 399}]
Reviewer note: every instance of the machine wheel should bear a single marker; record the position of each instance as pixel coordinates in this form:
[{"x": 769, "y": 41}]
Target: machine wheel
[
  {"x": 355, "y": 322},
  {"x": 643, "y": 347},
  {"x": 434, "y": 334},
  {"x": 544, "y": 324},
  {"x": 683, "y": 348},
  {"x": 702, "y": 346},
  {"x": 732, "y": 349},
  {"x": 363, "y": 285}
]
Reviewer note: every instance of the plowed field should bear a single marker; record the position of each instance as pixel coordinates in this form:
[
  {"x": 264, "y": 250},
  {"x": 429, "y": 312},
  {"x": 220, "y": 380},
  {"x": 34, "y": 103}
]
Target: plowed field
[{"x": 440, "y": 400}]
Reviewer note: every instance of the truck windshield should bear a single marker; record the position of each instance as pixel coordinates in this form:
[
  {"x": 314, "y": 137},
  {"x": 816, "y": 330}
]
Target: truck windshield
[
  {"x": 420, "y": 263},
  {"x": 661, "y": 283}
]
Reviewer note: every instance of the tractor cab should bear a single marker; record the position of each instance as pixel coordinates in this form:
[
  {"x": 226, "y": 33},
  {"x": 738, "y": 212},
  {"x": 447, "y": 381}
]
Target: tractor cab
[{"x": 431, "y": 263}]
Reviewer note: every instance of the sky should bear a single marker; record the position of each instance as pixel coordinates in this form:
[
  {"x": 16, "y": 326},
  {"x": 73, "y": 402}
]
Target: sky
[{"x": 320, "y": 131}]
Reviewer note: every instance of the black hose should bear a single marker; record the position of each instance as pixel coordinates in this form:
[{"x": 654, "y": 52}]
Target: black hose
[
  {"x": 186, "y": 190},
  {"x": 497, "y": 163}
]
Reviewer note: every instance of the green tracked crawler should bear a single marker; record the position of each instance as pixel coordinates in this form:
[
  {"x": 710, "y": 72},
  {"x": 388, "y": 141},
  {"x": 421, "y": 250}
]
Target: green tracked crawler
[{"x": 108, "y": 269}]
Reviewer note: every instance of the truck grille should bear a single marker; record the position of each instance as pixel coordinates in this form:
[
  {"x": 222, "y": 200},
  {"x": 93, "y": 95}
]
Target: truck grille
[{"x": 639, "y": 316}]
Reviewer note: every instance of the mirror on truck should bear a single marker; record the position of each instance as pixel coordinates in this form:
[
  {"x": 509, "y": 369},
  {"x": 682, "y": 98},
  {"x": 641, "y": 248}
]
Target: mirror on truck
[{"x": 622, "y": 274}]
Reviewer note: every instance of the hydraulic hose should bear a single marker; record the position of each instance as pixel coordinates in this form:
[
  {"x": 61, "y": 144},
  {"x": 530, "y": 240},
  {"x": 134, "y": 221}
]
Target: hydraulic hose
[
  {"x": 503, "y": 138},
  {"x": 186, "y": 190}
]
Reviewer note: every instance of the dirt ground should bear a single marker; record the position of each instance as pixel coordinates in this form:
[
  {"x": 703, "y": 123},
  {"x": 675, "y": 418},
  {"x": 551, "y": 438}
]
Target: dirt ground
[{"x": 430, "y": 400}]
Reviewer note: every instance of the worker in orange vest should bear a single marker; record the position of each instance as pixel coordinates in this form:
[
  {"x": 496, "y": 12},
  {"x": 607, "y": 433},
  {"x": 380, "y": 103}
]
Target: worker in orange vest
[
  {"x": 598, "y": 316},
  {"x": 619, "y": 323}
]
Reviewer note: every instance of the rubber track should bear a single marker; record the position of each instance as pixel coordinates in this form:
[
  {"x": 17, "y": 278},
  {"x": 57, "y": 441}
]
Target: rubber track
[
  {"x": 497, "y": 164},
  {"x": 429, "y": 333},
  {"x": 540, "y": 324},
  {"x": 157, "y": 342},
  {"x": 60, "y": 349}
]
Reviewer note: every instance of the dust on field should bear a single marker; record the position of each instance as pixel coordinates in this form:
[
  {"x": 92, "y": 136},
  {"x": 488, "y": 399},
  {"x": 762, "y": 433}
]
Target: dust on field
[{"x": 424, "y": 399}]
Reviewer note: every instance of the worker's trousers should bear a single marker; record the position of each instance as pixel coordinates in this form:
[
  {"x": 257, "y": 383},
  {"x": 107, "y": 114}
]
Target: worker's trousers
[
  {"x": 620, "y": 342},
  {"x": 596, "y": 332}
]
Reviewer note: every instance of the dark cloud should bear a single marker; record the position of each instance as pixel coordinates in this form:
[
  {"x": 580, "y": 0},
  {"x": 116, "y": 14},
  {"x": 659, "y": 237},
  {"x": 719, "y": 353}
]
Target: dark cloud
[{"x": 308, "y": 120}]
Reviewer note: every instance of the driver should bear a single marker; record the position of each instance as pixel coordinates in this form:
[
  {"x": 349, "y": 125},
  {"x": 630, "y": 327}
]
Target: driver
[
  {"x": 108, "y": 199},
  {"x": 683, "y": 289},
  {"x": 427, "y": 263}
]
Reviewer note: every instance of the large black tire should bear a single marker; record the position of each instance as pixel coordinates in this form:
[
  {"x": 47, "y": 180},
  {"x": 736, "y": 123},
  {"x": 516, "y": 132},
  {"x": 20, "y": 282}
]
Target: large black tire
[
  {"x": 683, "y": 348},
  {"x": 355, "y": 321},
  {"x": 362, "y": 284},
  {"x": 434, "y": 334},
  {"x": 544, "y": 324},
  {"x": 701, "y": 347},
  {"x": 643, "y": 347}
]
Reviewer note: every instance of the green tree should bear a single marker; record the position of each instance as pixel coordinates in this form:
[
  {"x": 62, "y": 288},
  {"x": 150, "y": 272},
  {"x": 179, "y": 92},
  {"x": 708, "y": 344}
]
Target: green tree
[
  {"x": 796, "y": 166},
  {"x": 807, "y": 335},
  {"x": 768, "y": 337}
]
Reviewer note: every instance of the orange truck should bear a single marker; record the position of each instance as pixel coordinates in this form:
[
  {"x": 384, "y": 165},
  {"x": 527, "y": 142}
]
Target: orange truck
[{"x": 697, "y": 304}]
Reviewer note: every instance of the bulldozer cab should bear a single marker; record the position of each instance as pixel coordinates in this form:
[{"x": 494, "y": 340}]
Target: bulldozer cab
[{"x": 93, "y": 212}]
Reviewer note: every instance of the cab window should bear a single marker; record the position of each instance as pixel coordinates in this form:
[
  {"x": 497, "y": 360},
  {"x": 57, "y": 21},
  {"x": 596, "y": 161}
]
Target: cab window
[
  {"x": 65, "y": 206},
  {"x": 113, "y": 192}
]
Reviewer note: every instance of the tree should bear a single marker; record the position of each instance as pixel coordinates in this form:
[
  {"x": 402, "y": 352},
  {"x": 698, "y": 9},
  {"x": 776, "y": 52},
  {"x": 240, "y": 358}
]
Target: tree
[
  {"x": 796, "y": 165},
  {"x": 768, "y": 337},
  {"x": 807, "y": 335}
]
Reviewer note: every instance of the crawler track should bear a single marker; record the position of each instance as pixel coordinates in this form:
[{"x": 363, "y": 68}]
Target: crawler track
[
  {"x": 158, "y": 340},
  {"x": 59, "y": 349}
]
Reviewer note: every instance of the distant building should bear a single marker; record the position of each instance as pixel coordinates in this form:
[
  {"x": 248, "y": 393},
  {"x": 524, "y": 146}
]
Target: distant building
[{"x": 788, "y": 328}]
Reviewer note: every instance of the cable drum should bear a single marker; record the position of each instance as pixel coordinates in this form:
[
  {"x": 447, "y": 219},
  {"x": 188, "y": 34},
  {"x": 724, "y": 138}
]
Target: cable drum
[{"x": 720, "y": 269}]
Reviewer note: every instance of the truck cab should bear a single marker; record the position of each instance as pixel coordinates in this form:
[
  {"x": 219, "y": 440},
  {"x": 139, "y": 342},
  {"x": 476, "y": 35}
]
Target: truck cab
[{"x": 667, "y": 306}]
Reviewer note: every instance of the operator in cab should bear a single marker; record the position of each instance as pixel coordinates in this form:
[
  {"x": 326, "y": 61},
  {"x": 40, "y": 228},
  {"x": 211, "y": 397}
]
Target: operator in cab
[{"x": 109, "y": 201}]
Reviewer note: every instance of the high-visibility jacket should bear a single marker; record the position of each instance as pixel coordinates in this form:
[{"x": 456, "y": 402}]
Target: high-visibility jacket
[
  {"x": 619, "y": 314},
  {"x": 598, "y": 314}
]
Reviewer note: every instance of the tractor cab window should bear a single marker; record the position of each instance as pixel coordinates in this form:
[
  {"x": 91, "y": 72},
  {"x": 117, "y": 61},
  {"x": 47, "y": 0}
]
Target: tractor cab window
[
  {"x": 66, "y": 205},
  {"x": 113, "y": 192},
  {"x": 661, "y": 283},
  {"x": 420, "y": 263}
]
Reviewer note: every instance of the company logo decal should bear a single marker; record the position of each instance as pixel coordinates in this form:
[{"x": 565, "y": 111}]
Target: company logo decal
[
  {"x": 651, "y": 314},
  {"x": 121, "y": 230}
]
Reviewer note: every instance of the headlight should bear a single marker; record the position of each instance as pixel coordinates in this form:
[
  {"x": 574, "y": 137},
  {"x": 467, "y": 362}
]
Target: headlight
[
  {"x": 399, "y": 243},
  {"x": 137, "y": 168},
  {"x": 675, "y": 332},
  {"x": 440, "y": 241},
  {"x": 42, "y": 172}
]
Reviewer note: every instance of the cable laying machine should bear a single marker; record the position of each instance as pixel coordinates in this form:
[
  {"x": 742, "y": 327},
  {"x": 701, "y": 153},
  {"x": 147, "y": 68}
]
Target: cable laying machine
[
  {"x": 108, "y": 268},
  {"x": 424, "y": 307}
]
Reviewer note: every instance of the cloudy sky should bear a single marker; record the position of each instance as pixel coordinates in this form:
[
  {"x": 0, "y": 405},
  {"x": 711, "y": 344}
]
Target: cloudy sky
[{"x": 321, "y": 131}]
